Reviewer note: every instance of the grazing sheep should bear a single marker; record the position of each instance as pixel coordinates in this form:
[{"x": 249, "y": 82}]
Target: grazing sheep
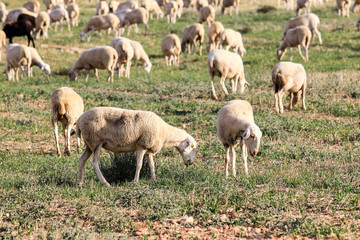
[
  {"x": 180, "y": 4},
  {"x": 289, "y": 77},
  {"x": 17, "y": 56},
  {"x": 74, "y": 13},
  {"x": 102, "y": 8},
  {"x": 127, "y": 5},
  {"x": 200, "y": 4},
  {"x": 231, "y": 38},
  {"x": 207, "y": 14},
  {"x": 152, "y": 6},
  {"x": 42, "y": 23},
  {"x": 310, "y": 20},
  {"x": 296, "y": 37},
  {"x": 126, "y": 53},
  {"x": 171, "y": 48},
  {"x": 189, "y": 3},
  {"x": 121, "y": 130},
  {"x": 103, "y": 57},
  {"x": 343, "y": 7},
  {"x": 136, "y": 16},
  {"x": 58, "y": 14},
  {"x": 226, "y": 65},
  {"x": 97, "y": 23},
  {"x": 2, "y": 41},
  {"x": 190, "y": 35},
  {"x": 235, "y": 126},
  {"x": 20, "y": 28},
  {"x": 355, "y": 8},
  {"x": 32, "y": 5},
  {"x": 171, "y": 9},
  {"x": 230, "y": 3},
  {"x": 113, "y": 5},
  {"x": 37, "y": 61},
  {"x": 303, "y": 4},
  {"x": 66, "y": 107},
  {"x": 3, "y": 12},
  {"x": 214, "y": 32}
]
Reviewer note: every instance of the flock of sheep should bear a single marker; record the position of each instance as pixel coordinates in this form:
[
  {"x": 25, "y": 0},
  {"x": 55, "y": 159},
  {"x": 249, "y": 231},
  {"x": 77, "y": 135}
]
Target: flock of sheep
[{"x": 143, "y": 132}]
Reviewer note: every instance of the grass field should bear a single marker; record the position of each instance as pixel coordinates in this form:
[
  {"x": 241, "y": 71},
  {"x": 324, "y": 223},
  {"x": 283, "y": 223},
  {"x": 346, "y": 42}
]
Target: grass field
[{"x": 305, "y": 180}]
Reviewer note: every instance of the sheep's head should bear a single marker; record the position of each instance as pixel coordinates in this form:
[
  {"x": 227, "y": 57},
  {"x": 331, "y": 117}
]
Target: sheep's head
[
  {"x": 280, "y": 53},
  {"x": 147, "y": 67},
  {"x": 72, "y": 76},
  {"x": 241, "y": 85},
  {"x": 187, "y": 149},
  {"x": 46, "y": 69},
  {"x": 82, "y": 36},
  {"x": 251, "y": 138}
]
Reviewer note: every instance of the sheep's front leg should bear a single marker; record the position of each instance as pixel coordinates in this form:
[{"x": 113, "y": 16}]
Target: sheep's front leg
[
  {"x": 167, "y": 60},
  {"x": 151, "y": 166},
  {"x": 96, "y": 74},
  {"x": 233, "y": 161},
  {"x": 128, "y": 65},
  {"x": 227, "y": 158},
  {"x": 56, "y": 133},
  {"x": 319, "y": 35},
  {"x": 200, "y": 49},
  {"x": 139, "y": 161},
  {"x": 302, "y": 56},
  {"x": 290, "y": 52},
  {"x": 193, "y": 47},
  {"x": 95, "y": 164},
  {"x": 222, "y": 83},
  {"x": 56, "y": 23},
  {"x": 82, "y": 160},
  {"x": 86, "y": 75},
  {"x": 244, "y": 156},
  {"x": 291, "y": 100},
  {"x": 303, "y": 96},
  {"x": 67, "y": 132},
  {"x": 213, "y": 88}
]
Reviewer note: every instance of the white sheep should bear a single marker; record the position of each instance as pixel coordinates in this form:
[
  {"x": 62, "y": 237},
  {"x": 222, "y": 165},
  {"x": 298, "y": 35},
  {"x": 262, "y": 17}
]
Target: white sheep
[
  {"x": 171, "y": 9},
  {"x": 289, "y": 77},
  {"x": 102, "y": 8},
  {"x": 152, "y": 6},
  {"x": 310, "y": 20},
  {"x": 296, "y": 37},
  {"x": 303, "y": 4},
  {"x": 136, "y": 16},
  {"x": 180, "y": 4},
  {"x": 3, "y": 12},
  {"x": 66, "y": 108},
  {"x": 230, "y": 3},
  {"x": 200, "y": 4},
  {"x": 37, "y": 61},
  {"x": 226, "y": 65},
  {"x": 32, "y": 5},
  {"x": 2, "y": 41},
  {"x": 214, "y": 32},
  {"x": 231, "y": 38},
  {"x": 121, "y": 130},
  {"x": 97, "y": 23},
  {"x": 17, "y": 56},
  {"x": 42, "y": 22},
  {"x": 126, "y": 54},
  {"x": 343, "y": 7},
  {"x": 103, "y": 57},
  {"x": 58, "y": 14},
  {"x": 207, "y": 14},
  {"x": 74, "y": 13},
  {"x": 127, "y": 5},
  {"x": 190, "y": 35},
  {"x": 113, "y": 5},
  {"x": 171, "y": 48},
  {"x": 235, "y": 126}
]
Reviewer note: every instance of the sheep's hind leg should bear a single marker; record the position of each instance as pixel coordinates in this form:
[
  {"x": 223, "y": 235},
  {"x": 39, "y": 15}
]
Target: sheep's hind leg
[
  {"x": 67, "y": 132},
  {"x": 81, "y": 164},
  {"x": 222, "y": 83},
  {"x": 233, "y": 161},
  {"x": 139, "y": 160},
  {"x": 151, "y": 166},
  {"x": 244, "y": 156},
  {"x": 227, "y": 158},
  {"x": 95, "y": 164},
  {"x": 213, "y": 88},
  {"x": 303, "y": 96},
  {"x": 302, "y": 56},
  {"x": 56, "y": 133}
]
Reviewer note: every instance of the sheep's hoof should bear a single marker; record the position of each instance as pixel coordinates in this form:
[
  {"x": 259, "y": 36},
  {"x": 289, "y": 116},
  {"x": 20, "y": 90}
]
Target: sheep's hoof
[{"x": 215, "y": 98}]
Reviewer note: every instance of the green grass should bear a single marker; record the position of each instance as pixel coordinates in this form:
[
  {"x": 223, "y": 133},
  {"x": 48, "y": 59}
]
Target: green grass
[{"x": 304, "y": 181}]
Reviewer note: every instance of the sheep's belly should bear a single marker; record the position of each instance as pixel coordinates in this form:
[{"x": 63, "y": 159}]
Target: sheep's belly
[{"x": 117, "y": 148}]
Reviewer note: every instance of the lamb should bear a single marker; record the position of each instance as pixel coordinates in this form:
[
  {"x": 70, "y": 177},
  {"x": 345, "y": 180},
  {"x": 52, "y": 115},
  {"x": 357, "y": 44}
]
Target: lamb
[
  {"x": 355, "y": 8},
  {"x": 97, "y": 23},
  {"x": 32, "y": 5},
  {"x": 103, "y": 57},
  {"x": 235, "y": 126},
  {"x": 152, "y": 6},
  {"x": 200, "y": 4},
  {"x": 74, "y": 13},
  {"x": 113, "y": 5},
  {"x": 20, "y": 28},
  {"x": 207, "y": 14},
  {"x": 310, "y": 20},
  {"x": 58, "y": 14},
  {"x": 231, "y": 38},
  {"x": 126, "y": 53},
  {"x": 136, "y": 16},
  {"x": 17, "y": 56},
  {"x": 226, "y": 65},
  {"x": 121, "y": 130},
  {"x": 190, "y": 35},
  {"x": 66, "y": 107},
  {"x": 170, "y": 46},
  {"x": 127, "y": 5},
  {"x": 102, "y": 8},
  {"x": 289, "y": 77},
  {"x": 3, "y": 12},
  {"x": 303, "y": 4},
  {"x": 214, "y": 32},
  {"x": 295, "y": 37},
  {"x": 171, "y": 9},
  {"x": 2, "y": 41},
  {"x": 37, "y": 61},
  {"x": 42, "y": 23},
  {"x": 343, "y": 7},
  {"x": 230, "y": 3}
]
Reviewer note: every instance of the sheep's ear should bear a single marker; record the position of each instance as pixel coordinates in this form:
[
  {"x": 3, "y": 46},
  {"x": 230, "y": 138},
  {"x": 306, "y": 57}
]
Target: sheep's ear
[{"x": 246, "y": 134}]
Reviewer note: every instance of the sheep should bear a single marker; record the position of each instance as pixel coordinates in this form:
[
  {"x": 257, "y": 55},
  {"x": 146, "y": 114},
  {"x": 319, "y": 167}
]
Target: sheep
[
  {"x": 126, "y": 53},
  {"x": 103, "y": 57},
  {"x": 68, "y": 2},
  {"x": 20, "y": 28},
  {"x": 42, "y": 23},
  {"x": 74, "y": 13},
  {"x": 152, "y": 6},
  {"x": 13, "y": 15},
  {"x": 121, "y": 130},
  {"x": 17, "y": 56},
  {"x": 97, "y": 23},
  {"x": 214, "y": 32},
  {"x": 189, "y": 3},
  {"x": 139, "y": 15},
  {"x": 190, "y": 35},
  {"x": 58, "y": 14},
  {"x": 102, "y": 8},
  {"x": 343, "y": 7},
  {"x": 127, "y": 5},
  {"x": 171, "y": 48},
  {"x": 303, "y": 4},
  {"x": 230, "y": 3},
  {"x": 66, "y": 107},
  {"x": 113, "y": 5},
  {"x": 355, "y": 6},
  {"x": 295, "y": 37},
  {"x": 37, "y": 61},
  {"x": 289, "y": 4},
  {"x": 180, "y": 4},
  {"x": 207, "y": 14},
  {"x": 310, "y": 20},
  {"x": 171, "y": 9},
  {"x": 235, "y": 126},
  {"x": 3, "y": 12},
  {"x": 2, "y": 41},
  {"x": 289, "y": 77},
  {"x": 32, "y": 5},
  {"x": 231, "y": 38},
  {"x": 200, "y": 4},
  {"x": 226, "y": 65}
]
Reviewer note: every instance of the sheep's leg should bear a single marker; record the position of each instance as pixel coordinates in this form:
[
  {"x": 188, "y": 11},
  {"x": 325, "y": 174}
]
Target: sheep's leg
[
  {"x": 17, "y": 74},
  {"x": 110, "y": 76},
  {"x": 81, "y": 164},
  {"x": 277, "y": 102},
  {"x": 95, "y": 164},
  {"x": 56, "y": 23},
  {"x": 227, "y": 47},
  {"x": 233, "y": 161},
  {"x": 56, "y": 133},
  {"x": 244, "y": 156},
  {"x": 222, "y": 83},
  {"x": 303, "y": 90},
  {"x": 61, "y": 25},
  {"x": 291, "y": 100},
  {"x": 213, "y": 88},
  {"x": 128, "y": 65},
  {"x": 319, "y": 35},
  {"x": 168, "y": 18},
  {"x": 290, "y": 52},
  {"x": 86, "y": 75},
  {"x": 167, "y": 60},
  {"x": 227, "y": 157},
  {"x": 128, "y": 32},
  {"x": 200, "y": 48},
  {"x": 151, "y": 166},
  {"x": 139, "y": 160},
  {"x": 96, "y": 74},
  {"x": 67, "y": 139},
  {"x": 302, "y": 56}
]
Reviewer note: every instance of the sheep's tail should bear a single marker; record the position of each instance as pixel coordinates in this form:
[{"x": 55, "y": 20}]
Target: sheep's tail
[
  {"x": 61, "y": 108},
  {"x": 78, "y": 131}
]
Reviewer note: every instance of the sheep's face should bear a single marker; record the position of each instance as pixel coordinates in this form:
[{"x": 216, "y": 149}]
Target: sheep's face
[
  {"x": 251, "y": 138},
  {"x": 280, "y": 54},
  {"x": 187, "y": 149},
  {"x": 46, "y": 69},
  {"x": 72, "y": 76},
  {"x": 82, "y": 36},
  {"x": 241, "y": 86},
  {"x": 147, "y": 67}
]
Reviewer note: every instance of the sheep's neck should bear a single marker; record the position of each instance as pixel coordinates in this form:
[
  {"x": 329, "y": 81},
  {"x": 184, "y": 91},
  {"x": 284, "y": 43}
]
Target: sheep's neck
[{"x": 173, "y": 136}]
